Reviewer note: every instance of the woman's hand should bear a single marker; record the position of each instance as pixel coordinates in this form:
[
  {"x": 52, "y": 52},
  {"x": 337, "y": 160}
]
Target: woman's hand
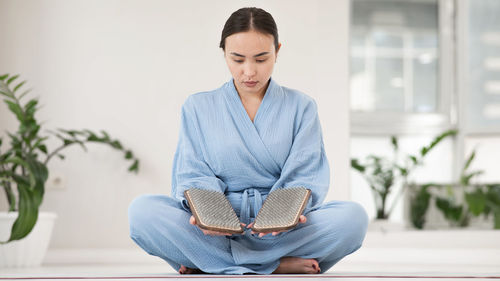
[
  {"x": 192, "y": 221},
  {"x": 302, "y": 219}
]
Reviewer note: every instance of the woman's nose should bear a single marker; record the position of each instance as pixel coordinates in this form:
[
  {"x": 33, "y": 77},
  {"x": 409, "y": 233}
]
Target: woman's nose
[{"x": 249, "y": 70}]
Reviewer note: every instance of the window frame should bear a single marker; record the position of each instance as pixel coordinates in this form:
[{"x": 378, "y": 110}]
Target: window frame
[
  {"x": 445, "y": 117},
  {"x": 463, "y": 84}
]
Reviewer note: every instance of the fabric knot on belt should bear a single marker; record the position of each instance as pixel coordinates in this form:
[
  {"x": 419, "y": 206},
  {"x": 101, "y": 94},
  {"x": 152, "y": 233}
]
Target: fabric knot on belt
[{"x": 245, "y": 204}]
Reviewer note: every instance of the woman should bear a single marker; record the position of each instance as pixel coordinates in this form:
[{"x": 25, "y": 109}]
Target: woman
[{"x": 246, "y": 139}]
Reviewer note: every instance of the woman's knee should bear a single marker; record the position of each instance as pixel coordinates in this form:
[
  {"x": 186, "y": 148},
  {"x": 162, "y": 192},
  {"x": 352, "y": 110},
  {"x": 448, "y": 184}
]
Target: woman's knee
[
  {"x": 138, "y": 211},
  {"x": 348, "y": 219},
  {"x": 146, "y": 210},
  {"x": 356, "y": 222},
  {"x": 142, "y": 209}
]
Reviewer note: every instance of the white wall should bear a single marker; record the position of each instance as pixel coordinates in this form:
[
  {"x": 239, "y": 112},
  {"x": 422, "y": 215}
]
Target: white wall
[{"x": 127, "y": 67}]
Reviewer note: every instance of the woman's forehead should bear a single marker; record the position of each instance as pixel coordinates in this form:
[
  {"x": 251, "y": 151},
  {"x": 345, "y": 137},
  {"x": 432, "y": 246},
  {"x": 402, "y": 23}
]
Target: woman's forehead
[{"x": 249, "y": 43}]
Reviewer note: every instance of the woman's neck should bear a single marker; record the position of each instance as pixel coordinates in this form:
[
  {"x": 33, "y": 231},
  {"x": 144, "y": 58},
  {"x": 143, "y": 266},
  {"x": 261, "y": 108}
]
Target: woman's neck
[{"x": 245, "y": 96}]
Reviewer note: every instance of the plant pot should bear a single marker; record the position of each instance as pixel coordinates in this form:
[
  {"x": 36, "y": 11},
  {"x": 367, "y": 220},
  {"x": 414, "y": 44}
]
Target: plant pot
[{"x": 29, "y": 251}]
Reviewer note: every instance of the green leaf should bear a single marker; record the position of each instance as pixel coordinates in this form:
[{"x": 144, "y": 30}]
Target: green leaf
[
  {"x": 38, "y": 169},
  {"x": 28, "y": 213},
  {"x": 116, "y": 144},
  {"x": 134, "y": 167},
  {"x": 465, "y": 179},
  {"x": 92, "y": 136},
  {"x": 6, "y": 94},
  {"x": 16, "y": 109},
  {"x": 419, "y": 206},
  {"x": 403, "y": 171},
  {"x": 476, "y": 201},
  {"x": 496, "y": 216},
  {"x": 39, "y": 142},
  {"x": 30, "y": 107},
  {"x": 449, "y": 210},
  {"x": 73, "y": 133},
  {"x": 23, "y": 94},
  {"x": 42, "y": 148},
  {"x": 413, "y": 159},
  {"x": 469, "y": 160},
  {"x": 3, "y": 77},
  {"x": 436, "y": 141},
  {"x": 493, "y": 194},
  {"x": 394, "y": 142},
  {"x": 128, "y": 153},
  {"x": 106, "y": 136},
  {"x": 19, "y": 86},
  {"x": 67, "y": 141},
  {"x": 21, "y": 162},
  {"x": 12, "y": 79},
  {"x": 355, "y": 164}
]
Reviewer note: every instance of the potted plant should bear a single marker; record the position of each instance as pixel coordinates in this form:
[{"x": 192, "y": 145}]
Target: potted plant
[
  {"x": 23, "y": 173},
  {"x": 383, "y": 174},
  {"x": 459, "y": 203}
]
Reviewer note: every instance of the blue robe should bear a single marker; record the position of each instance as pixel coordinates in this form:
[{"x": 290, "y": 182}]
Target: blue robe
[{"x": 220, "y": 148}]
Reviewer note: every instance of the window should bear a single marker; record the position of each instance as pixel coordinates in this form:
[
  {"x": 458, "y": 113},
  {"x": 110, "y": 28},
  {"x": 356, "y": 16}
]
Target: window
[
  {"x": 482, "y": 101},
  {"x": 396, "y": 72}
]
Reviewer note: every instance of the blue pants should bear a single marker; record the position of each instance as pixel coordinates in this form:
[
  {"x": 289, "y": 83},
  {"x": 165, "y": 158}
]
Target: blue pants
[{"x": 160, "y": 226}]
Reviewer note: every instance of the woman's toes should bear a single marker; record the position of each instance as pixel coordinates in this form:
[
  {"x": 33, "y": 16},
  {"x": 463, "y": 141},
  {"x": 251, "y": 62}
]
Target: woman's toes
[
  {"x": 310, "y": 270},
  {"x": 315, "y": 266}
]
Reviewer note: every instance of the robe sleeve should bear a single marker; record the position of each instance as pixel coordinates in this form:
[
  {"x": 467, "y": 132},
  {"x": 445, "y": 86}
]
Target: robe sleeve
[
  {"x": 190, "y": 168},
  {"x": 307, "y": 164}
]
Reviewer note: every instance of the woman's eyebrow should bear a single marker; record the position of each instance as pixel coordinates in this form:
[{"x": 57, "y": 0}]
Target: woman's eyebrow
[{"x": 257, "y": 55}]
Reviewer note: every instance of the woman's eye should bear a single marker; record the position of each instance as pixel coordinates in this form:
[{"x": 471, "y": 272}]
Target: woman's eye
[
  {"x": 260, "y": 60},
  {"x": 238, "y": 61}
]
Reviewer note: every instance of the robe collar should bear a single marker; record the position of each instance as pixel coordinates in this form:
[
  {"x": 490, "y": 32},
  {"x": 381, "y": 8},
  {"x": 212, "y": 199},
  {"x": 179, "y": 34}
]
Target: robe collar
[
  {"x": 250, "y": 129},
  {"x": 264, "y": 104}
]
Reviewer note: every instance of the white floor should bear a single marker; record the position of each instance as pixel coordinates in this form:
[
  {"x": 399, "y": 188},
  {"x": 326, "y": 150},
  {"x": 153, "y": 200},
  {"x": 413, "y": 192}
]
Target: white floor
[{"x": 385, "y": 256}]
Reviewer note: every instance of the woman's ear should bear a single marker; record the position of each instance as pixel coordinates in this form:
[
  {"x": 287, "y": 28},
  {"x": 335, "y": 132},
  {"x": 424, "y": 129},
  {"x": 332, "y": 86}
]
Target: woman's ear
[{"x": 277, "y": 50}]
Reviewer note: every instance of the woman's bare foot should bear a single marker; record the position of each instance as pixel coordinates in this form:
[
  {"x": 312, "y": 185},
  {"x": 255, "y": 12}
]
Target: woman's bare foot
[
  {"x": 297, "y": 265},
  {"x": 187, "y": 270}
]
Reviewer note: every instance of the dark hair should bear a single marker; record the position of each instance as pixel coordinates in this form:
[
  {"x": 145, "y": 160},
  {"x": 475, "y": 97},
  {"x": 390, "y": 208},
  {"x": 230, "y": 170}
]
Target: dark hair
[{"x": 246, "y": 19}]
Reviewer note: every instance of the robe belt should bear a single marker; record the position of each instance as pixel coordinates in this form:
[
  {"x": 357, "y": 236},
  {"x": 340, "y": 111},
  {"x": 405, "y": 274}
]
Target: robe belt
[{"x": 245, "y": 210}]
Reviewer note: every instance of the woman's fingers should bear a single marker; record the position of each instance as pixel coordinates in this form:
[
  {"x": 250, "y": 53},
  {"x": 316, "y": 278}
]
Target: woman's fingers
[
  {"x": 192, "y": 221},
  {"x": 215, "y": 233},
  {"x": 302, "y": 219}
]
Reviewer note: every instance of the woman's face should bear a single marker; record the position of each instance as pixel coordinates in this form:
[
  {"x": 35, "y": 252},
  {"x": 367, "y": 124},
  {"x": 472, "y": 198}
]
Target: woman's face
[{"x": 250, "y": 56}]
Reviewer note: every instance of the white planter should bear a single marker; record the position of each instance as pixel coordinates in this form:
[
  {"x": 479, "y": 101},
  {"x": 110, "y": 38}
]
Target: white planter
[{"x": 29, "y": 251}]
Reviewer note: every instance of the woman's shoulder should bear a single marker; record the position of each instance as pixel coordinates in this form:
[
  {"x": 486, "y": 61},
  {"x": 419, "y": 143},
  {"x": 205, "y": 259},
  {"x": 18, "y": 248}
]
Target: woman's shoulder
[
  {"x": 297, "y": 97},
  {"x": 204, "y": 98}
]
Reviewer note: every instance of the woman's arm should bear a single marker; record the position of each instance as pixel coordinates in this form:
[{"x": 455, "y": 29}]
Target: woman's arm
[
  {"x": 190, "y": 168},
  {"x": 307, "y": 164}
]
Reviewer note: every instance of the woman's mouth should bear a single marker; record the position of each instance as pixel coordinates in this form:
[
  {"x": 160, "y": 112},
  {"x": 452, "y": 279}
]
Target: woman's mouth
[{"x": 250, "y": 83}]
